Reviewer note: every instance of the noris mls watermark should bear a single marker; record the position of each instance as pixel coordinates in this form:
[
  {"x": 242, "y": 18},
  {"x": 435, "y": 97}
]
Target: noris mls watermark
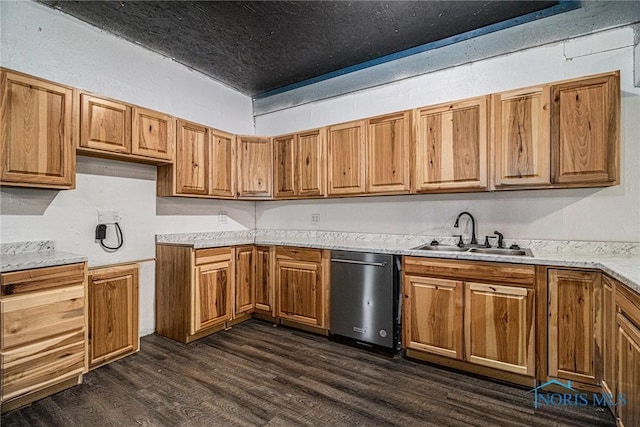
[{"x": 572, "y": 397}]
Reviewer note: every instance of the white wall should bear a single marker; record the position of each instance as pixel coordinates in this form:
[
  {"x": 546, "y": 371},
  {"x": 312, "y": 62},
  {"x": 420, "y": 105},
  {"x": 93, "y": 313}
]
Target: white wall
[
  {"x": 43, "y": 42},
  {"x": 610, "y": 214}
]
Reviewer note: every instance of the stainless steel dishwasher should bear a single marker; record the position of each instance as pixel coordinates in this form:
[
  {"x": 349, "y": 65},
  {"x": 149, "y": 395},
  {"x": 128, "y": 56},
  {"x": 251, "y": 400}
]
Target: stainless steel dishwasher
[{"x": 365, "y": 298}]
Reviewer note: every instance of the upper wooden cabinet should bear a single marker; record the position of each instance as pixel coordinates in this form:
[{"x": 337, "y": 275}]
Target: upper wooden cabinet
[
  {"x": 451, "y": 146},
  {"x": 192, "y": 165},
  {"x": 255, "y": 167},
  {"x": 346, "y": 149},
  {"x": 521, "y": 150},
  {"x": 36, "y": 143},
  {"x": 222, "y": 165},
  {"x": 299, "y": 166},
  {"x": 585, "y": 120},
  {"x": 153, "y": 134},
  {"x": 104, "y": 124},
  {"x": 388, "y": 153}
]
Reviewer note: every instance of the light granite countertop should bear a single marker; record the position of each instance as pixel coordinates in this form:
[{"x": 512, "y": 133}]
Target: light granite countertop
[
  {"x": 36, "y": 254},
  {"x": 620, "y": 260}
]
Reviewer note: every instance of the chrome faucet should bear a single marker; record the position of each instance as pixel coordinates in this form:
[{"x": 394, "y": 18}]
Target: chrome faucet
[{"x": 474, "y": 241}]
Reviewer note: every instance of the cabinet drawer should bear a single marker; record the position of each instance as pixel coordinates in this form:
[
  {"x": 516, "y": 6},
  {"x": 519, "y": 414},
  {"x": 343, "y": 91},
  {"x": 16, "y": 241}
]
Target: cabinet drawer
[
  {"x": 473, "y": 270},
  {"x": 34, "y": 366},
  {"x": 35, "y": 316},
  {"x": 208, "y": 256},
  {"x": 299, "y": 254},
  {"x": 40, "y": 279}
]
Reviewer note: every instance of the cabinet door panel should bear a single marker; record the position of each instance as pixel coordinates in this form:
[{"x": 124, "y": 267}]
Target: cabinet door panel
[
  {"x": 285, "y": 165},
  {"x": 264, "y": 280},
  {"x": 255, "y": 167},
  {"x": 300, "y": 292},
  {"x": 311, "y": 163},
  {"x": 347, "y": 158},
  {"x": 574, "y": 325},
  {"x": 628, "y": 338},
  {"x": 388, "y": 153},
  {"x": 585, "y": 130},
  {"x": 212, "y": 303},
  {"x": 153, "y": 134},
  {"x": 433, "y": 315},
  {"x": 521, "y": 137},
  {"x": 608, "y": 336},
  {"x": 36, "y": 146},
  {"x": 245, "y": 280},
  {"x": 223, "y": 165},
  {"x": 499, "y": 330},
  {"x": 105, "y": 124},
  {"x": 192, "y": 159}
]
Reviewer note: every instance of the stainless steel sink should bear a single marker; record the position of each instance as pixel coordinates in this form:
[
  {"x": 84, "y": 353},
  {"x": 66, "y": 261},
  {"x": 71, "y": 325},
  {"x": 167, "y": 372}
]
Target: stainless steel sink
[
  {"x": 502, "y": 251},
  {"x": 443, "y": 248}
]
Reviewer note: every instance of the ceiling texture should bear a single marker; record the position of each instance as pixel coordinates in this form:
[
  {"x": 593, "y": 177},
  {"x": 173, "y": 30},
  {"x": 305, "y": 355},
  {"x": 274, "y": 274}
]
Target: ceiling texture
[{"x": 265, "y": 47}]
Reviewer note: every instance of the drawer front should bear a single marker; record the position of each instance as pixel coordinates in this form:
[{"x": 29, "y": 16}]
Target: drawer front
[
  {"x": 31, "y": 317},
  {"x": 35, "y": 366},
  {"x": 212, "y": 255},
  {"x": 299, "y": 254},
  {"x": 40, "y": 279},
  {"x": 493, "y": 272}
]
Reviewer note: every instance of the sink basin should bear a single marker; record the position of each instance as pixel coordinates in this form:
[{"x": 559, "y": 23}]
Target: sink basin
[
  {"x": 443, "y": 248},
  {"x": 499, "y": 251}
]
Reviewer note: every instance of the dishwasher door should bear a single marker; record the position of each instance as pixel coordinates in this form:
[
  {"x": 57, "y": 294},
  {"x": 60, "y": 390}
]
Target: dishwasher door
[{"x": 364, "y": 298}]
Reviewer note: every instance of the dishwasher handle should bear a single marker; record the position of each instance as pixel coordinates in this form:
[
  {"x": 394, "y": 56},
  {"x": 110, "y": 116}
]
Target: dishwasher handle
[{"x": 353, "y": 261}]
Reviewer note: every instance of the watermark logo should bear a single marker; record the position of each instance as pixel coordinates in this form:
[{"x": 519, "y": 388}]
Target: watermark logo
[{"x": 572, "y": 397}]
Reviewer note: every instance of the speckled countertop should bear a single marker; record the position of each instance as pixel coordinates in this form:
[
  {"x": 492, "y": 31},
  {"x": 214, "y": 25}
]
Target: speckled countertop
[
  {"x": 620, "y": 260},
  {"x": 27, "y": 255}
]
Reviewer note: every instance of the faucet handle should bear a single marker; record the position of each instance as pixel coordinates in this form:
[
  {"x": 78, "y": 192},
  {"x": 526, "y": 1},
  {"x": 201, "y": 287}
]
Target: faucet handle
[
  {"x": 500, "y": 239},
  {"x": 487, "y": 244},
  {"x": 460, "y": 243}
]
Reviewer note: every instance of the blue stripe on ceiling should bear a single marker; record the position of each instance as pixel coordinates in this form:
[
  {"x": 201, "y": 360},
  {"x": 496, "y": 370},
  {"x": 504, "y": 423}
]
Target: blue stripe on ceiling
[{"x": 563, "y": 6}]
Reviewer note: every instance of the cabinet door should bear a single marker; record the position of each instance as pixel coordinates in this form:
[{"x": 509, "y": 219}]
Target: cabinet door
[
  {"x": 346, "y": 150},
  {"x": 521, "y": 137},
  {"x": 608, "y": 336},
  {"x": 223, "y": 165},
  {"x": 113, "y": 313},
  {"x": 285, "y": 152},
  {"x": 300, "y": 292},
  {"x": 255, "y": 167},
  {"x": 585, "y": 120},
  {"x": 433, "y": 315},
  {"x": 36, "y": 145},
  {"x": 574, "y": 324},
  {"x": 388, "y": 153},
  {"x": 153, "y": 134},
  {"x": 212, "y": 300},
  {"x": 310, "y": 174},
  {"x": 264, "y": 280},
  {"x": 451, "y": 146},
  {"x": 628, "y": 342},
  {"x": 245, "y": 280},
  {"x": 192, "y": 159},
  {"x": 499, "y": 330},
  {"x": 104, "y": 124}
]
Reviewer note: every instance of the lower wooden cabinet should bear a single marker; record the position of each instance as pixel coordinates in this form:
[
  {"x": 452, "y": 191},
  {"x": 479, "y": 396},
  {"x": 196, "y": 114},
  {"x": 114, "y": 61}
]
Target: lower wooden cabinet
[
  {"x": 43, "y": 327},
  {"x": 627, "y": 323},
  {"x": 245, "y": 289},
  {"x": 301, "y": 283},
  {"x": 113, "y": 313},
  {"x": 264, "y": 280}
]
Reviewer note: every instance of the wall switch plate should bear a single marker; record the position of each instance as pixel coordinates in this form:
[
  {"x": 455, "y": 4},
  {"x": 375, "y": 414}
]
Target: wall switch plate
[
  {"x": 106, "y": 216},
  {"x": 315, "y": 218},
  {"x": 222, "y": 217}
]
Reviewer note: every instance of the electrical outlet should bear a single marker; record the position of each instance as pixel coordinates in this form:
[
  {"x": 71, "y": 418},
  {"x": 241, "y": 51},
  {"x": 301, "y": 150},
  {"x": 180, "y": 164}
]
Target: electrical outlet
[
  {"x": 315, "y": 218},
  {"x": 106, "y": 216},
  {"x": 222, "y": 217}
]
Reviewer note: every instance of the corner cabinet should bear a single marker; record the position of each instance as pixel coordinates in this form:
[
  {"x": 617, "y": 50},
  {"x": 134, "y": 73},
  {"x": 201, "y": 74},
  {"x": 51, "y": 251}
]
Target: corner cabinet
[
  {"x": 255, "y": 167},
  {"x": 36, "y": 142},
  {"x": 388, "y": 153},
  {"x": 451, "y": 146},
  {"x": 346, "y": 151}
]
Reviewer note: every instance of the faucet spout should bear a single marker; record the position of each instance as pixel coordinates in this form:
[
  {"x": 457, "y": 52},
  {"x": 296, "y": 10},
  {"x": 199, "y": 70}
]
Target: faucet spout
[{"x": 474, "y": 240}]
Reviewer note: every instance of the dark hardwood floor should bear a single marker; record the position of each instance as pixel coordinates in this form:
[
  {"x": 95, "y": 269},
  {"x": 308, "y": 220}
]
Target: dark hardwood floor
[{"x": 256, "y": 374}]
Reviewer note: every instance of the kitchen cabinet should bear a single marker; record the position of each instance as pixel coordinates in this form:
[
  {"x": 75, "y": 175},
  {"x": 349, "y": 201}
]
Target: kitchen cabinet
[
  {"x": 36, "y": 142},
  {"x": 245, "y": 289},
  {"x": 255, "y": 167},
  {"x": 520, "y": 137},
  {"x": 627, "y": 323},
  {"x": 113, "y": 313},
  {"x": 585, "y": 121},
  {"x": 223, "y": 165},
  {"x": 346, "y": 151},
  {"x": 574, "y": 325},
  {"x": 388, "y": 154},
  {"x": 451, "y": 146},
  {"x": 153, "y": 134},
  {"x": 608, "y": 336},
  {"x": 43, "y": 331},
  {"x": 105, "y": 124},
  {"x": 491, "y": 305},
  {"x": 194, "y": 291},
  {"x": 301, "y": 282},
  {"x": 191, "y": 165},
  {"x": 264, "y": 280},
  {"x": 299, "y": 169}
]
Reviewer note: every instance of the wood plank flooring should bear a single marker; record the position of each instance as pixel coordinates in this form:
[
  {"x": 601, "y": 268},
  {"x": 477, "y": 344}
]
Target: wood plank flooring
[{"x": 255, "y": 374}]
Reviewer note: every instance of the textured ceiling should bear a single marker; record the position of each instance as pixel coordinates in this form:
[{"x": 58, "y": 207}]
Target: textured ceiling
[{"x": 256, "y": 47}]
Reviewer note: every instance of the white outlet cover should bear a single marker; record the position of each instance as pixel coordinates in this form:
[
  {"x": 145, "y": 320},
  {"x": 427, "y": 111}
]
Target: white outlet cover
[{"x": 107, "y": 216}]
